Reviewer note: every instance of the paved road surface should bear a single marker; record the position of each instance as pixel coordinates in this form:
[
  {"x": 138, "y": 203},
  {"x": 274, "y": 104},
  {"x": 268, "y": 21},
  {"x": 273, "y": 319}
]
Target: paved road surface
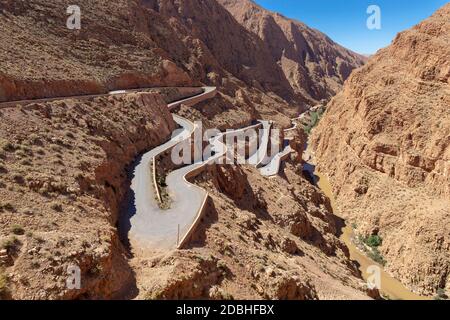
[
  {"x": 162, "y": 229},
  {"x": 274, "y": 166},
  {"x": 260, "y": 157}
]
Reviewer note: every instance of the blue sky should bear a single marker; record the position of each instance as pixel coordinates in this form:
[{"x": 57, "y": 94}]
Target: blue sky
[{"x": 345, "y": 20}]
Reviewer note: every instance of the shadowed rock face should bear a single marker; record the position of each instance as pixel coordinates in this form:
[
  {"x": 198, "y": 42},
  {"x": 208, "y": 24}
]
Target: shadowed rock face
[
  {"x": 314, "y": 65},
  {"x": 238, "y": 51},
  {"x": 385, "y": 144}
]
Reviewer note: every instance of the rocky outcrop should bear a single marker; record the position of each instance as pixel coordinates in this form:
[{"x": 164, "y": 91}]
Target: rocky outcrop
[
  {"x": 385, "y": 145},
  {"x": 230, "y": 179},
  {"x": 189, "y": 278},
  {"x": 290, "y": 288},
  {"x": 63, "y": 178}
]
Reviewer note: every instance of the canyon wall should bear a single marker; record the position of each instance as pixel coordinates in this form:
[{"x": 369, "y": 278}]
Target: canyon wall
[
  {"x": 315, "y": 66},
  {"x": 63, "y": 163},
  {"x": 385, "y": 145}
]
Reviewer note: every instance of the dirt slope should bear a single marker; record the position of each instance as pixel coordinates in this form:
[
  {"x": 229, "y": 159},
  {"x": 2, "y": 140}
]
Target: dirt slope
[
  {"x": 63, "y": 164},
  {"x": 260, "y": 239}
]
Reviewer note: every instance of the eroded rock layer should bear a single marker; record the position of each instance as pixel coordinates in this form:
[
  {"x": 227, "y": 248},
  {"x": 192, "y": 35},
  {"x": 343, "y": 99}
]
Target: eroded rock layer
[{"x": 314, "y": 65}]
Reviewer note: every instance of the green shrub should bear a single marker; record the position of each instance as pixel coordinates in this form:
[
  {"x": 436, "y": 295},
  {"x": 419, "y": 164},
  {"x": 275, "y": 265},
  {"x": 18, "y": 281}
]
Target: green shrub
[
  {"x": 7, "y": 146},
  {"x": 376, "y": 256},
  {"x": 21, "y": 154},
  {"x": 315, "y": 119},
  {"x": 35, "y": 139},
  {"x": 17, "y": 230},
  {"x": 373, "y": 241},
  {"x": 10, "y": 244}
]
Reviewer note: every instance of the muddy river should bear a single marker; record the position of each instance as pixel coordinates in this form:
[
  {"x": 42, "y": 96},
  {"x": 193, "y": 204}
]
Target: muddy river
[{"x": 391, "y": 288}]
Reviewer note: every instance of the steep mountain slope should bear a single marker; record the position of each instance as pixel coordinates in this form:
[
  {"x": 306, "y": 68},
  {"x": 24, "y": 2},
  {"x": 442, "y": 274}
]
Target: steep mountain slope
[
  {"x": 314, "y": 65},
  {"x": 385, "y": 145},
  {"x": 141, "y": 43},
  {"x": 241, "y": 53},
  {"x": 63, "y": 168}
]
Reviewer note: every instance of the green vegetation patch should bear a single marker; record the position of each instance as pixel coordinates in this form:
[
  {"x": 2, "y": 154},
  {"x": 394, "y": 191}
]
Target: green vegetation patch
[
  {"x": 373, "y": 241},
  {"x": 161, "y": 181},
  {"x": 370, "y": 246},
  {"x": 314, "y": 121},
  {"x": 376, "y": 256},
  {"x": 10, "y": 244},
  {"x": 162, "y": 187},
  {"x": 17, "y": 230}
]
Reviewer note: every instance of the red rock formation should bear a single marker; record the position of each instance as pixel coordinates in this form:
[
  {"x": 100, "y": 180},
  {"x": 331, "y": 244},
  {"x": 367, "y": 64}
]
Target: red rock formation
[{"x": 63, "y": 178}]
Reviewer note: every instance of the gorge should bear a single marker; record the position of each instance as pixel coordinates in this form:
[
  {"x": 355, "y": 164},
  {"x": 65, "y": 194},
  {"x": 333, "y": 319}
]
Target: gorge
[{"x": 88, "y": 124}]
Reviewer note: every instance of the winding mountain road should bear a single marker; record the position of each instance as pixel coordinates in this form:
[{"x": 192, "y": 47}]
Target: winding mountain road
[
  {"x": 273, "y": 167},
  {"x": 208, "y": 93},
  {"x": 168, "y": 229},
  {"x": 161, "y": 229},
  {"x": 260, "y": 157},
  {"x": 150, "y": 222},
  {"x": 294, "y": 121}
]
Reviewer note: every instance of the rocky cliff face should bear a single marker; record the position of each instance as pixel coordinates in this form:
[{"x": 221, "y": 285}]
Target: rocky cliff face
[
  {"x": 41, "y": 57},
  {"x": 385, "y": 144},
  {"x": 314, "y": 65}
]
